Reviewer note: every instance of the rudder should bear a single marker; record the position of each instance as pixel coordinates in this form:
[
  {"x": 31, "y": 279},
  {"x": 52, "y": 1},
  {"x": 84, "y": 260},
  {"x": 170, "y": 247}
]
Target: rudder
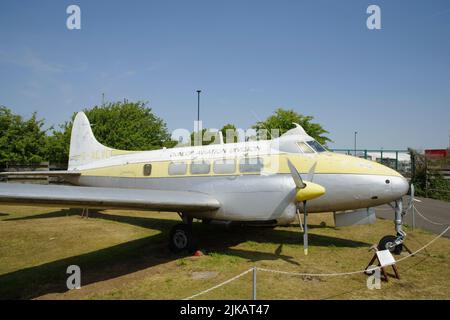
[{"x": 84, "y": 148}]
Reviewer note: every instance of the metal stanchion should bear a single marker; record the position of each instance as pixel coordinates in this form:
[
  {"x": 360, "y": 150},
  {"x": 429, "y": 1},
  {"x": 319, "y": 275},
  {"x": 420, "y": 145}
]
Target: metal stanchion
[
  {"x": 413, "y": 207},
  {"x": 254, "y": 283}
]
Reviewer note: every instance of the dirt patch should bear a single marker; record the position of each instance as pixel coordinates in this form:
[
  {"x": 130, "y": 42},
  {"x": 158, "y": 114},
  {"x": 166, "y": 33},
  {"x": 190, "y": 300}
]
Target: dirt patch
[{"x": 203, "y": 275}]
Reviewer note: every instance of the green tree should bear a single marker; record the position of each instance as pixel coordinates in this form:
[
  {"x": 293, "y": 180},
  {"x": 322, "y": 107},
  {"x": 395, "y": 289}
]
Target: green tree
[
  {"x": 426, "y": 177},
  {"x": 58, "y": 144},
  {"x": 119, "y": 125},
  {"x": 211, "y": 137},
  {"x": 21, "y": 141},
  {"x": 229, "y": 133},
  {"x": 283, "y": 120},
  {"x": 208, "y": 137}
]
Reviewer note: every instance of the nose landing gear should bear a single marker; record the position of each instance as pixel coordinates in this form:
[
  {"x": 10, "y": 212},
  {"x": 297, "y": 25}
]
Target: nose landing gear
[{"x": 395, "y": 243}]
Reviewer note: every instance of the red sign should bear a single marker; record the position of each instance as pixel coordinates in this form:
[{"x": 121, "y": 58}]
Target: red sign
[{"x": 436, "y": 153}]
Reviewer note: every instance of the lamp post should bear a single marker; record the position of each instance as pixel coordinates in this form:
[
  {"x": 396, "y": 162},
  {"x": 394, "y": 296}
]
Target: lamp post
[
  {"x": 198, "y": 104},
  {"x": 198, "y": 118},
  {"x": 356, "y": 132}
]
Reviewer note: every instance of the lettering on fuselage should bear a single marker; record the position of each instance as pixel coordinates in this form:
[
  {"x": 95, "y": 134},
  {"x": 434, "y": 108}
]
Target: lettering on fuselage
[{"x": 215, "y": 152}]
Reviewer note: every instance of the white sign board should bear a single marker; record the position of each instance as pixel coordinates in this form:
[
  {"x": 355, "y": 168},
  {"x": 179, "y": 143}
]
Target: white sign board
[{"x": 385, "y": 257}]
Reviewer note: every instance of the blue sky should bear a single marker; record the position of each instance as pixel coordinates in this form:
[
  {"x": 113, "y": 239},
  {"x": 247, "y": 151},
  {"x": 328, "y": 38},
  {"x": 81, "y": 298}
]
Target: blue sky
[{"x": 248, "y": 57}]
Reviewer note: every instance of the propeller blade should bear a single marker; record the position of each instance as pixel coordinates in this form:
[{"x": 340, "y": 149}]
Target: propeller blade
[
  {"x": 305, "y": 229},
  {"x": 411, "y": 198},
  {"x": 296, "y": 176},
  {"x": 300, "y": 223},
  {"x": 311, "y": 172}
]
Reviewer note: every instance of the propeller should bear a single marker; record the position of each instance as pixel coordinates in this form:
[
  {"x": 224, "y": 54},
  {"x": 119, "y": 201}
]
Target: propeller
[
  {"x": 311, "y": 172},
  {"x": 411, "y": 198},
  {"x": 305, "y": 191}
]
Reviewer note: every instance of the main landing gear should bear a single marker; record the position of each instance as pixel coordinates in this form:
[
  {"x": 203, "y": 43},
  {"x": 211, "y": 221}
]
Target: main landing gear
[
  {"x": 395, "y": 243},
  {"x": 181, "y": 237}
]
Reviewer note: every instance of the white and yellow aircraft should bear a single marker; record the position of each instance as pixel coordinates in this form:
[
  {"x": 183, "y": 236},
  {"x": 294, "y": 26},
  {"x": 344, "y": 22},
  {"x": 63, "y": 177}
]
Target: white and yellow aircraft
[{"x": 259, "y": 182}]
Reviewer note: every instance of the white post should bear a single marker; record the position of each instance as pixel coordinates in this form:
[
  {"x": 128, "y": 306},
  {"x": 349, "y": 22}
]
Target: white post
[
  {"x": 254, "y": 283},
  {"x": 413, "y": 208}
]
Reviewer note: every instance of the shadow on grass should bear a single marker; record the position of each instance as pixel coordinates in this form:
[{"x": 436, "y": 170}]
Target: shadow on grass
[
  {"x": 55, "y": 214},
  {"x": 100, "y": 265},
  {"x": 132, "y": 256},
  {"x": 255, "y": 256},
  {"x": 217, "y": 237}
]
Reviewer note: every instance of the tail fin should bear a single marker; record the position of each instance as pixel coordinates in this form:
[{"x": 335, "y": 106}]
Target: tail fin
[{"x": 84, "y": 148}]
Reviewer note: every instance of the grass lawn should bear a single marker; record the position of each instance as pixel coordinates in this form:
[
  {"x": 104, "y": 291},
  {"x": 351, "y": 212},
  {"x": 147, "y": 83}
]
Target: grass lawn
[{"x": 124, "y": 255}]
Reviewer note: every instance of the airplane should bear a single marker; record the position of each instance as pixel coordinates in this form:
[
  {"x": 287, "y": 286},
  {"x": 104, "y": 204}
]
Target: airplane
[{"x": 263, "y": 182}]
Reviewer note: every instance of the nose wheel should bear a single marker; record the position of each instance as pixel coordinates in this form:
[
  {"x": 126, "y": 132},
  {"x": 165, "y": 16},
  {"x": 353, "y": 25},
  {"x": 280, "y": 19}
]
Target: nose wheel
[{"x": 390, "y": 243}]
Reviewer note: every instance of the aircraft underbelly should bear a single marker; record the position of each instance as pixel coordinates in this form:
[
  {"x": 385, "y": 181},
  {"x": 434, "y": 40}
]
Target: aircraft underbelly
[
  {"x": 258, "y": 197},
  {"x": 242, "y": 198}
]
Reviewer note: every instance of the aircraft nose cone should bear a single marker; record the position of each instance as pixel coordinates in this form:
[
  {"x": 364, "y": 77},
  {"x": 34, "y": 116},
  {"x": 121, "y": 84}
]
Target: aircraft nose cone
[{"x": 400, "y": 186}]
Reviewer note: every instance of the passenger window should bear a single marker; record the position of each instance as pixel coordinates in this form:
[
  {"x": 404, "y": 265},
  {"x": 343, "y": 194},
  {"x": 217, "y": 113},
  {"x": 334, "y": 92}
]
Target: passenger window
[
  {"x": 177, "y": 168},
  {"x": 147, "y": 169},
  {"x": 251, "y": 165},
  {"x": 224, "y": 166},
  {"x": 305, "y": 148},
  {"x": 200, "y": 167}
]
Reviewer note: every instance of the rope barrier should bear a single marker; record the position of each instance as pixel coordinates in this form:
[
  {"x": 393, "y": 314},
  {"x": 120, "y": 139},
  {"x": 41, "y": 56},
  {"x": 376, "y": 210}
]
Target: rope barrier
[
  {"x": 430, "y": 221},
  {"x": 219, "y": 285},
  {"x": 316, "y": 274},
  {"x": 429, "y": 243}
]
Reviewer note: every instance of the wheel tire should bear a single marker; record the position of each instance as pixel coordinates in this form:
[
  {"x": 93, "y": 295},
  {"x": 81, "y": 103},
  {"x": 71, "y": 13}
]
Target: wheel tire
[
  {"x": 385, "y": 244},
  {"x": 181, "y": 239}
]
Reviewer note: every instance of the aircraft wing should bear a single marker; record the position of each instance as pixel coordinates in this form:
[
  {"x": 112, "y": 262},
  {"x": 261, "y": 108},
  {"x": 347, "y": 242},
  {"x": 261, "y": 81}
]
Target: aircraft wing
[
  {"x": 52, "y": 173},
  {"x": 99, "y": 198}
]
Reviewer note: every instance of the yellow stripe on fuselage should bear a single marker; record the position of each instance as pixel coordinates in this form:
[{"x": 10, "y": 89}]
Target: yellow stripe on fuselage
[{"x": 326, "y": 163}]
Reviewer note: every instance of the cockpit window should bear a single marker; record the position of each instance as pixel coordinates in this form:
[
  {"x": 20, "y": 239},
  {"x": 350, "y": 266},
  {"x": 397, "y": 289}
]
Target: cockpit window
[
  {"x": 300, "y": 146},
  {"x": 304, "y": 147},
  {"x": 316, "y": 146}
]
